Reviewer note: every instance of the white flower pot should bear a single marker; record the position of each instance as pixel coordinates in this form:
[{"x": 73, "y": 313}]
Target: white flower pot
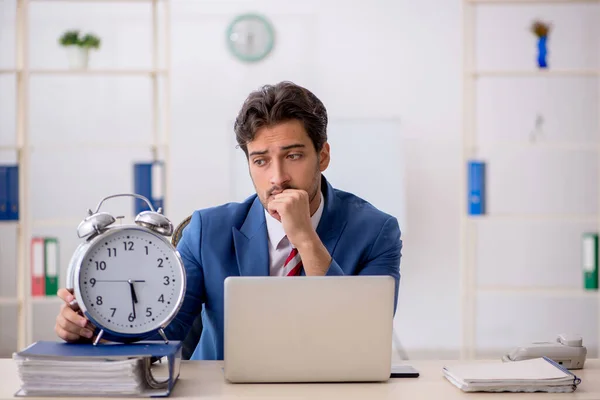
[{"x": 78, "y": 57}]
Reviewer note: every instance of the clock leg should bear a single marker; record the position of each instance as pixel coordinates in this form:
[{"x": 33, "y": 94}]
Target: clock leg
[
  {"x": 99, "y": 337},
  {"x": 162, "y": 334}
]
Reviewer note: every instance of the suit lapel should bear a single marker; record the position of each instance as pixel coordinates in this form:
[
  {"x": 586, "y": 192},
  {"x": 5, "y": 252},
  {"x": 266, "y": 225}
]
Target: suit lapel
[
  {"x": 332, "y": 221},
  {"x": 250, "y": 242}
]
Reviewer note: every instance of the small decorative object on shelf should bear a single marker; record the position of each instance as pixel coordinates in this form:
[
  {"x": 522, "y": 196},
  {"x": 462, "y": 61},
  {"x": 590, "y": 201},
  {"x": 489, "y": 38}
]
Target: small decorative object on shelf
[
  {"x": 589, "y": 260},
  {"x": 78, "y": 47},
  {"x": 541, "y": 30}
]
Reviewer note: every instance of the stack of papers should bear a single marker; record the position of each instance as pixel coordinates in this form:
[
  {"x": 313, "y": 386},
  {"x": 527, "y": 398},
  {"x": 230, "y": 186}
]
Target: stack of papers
[
  {"x": 63, "y": 378},
  {"x": 535, "y": 375},
  {"x": 60, "y": 369}
]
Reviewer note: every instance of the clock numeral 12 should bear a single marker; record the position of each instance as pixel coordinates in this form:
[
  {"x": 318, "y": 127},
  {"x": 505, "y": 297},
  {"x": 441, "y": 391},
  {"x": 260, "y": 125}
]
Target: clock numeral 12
[{"x": 128, "y": 246}]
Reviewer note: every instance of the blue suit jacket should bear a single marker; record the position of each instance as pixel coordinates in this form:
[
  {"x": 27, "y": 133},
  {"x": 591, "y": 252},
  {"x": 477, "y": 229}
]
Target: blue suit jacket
[{"x": 231, "y": 240}]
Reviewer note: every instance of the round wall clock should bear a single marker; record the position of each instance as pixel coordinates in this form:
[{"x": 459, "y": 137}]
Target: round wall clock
[{"x": 250, "y": 37}]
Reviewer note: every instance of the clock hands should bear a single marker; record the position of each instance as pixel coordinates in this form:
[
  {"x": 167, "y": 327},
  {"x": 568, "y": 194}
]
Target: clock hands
[
  {"x": 133, "y": 296},
  {"x": 119, "y": 280}
]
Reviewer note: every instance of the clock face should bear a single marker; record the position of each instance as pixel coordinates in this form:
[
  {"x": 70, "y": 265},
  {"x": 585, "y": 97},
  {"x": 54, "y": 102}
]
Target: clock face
[
  {"x": 130, "y": 281},
  {"x": 250, "y": 37}
]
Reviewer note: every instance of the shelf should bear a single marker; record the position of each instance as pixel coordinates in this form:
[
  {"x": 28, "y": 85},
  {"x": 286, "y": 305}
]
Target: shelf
[
  {"x": 94, "y": 1},
  {"x": 7, "y": 301},
  {"x": 531, "y": 1},
  {"x": 96, "y": 145},
  {"x": 86, "y": 145},
  {"x": 98, "y": 72},
  {"x": 46, "y": 300},
  {"x": 539, "y": 145},
  {"x": 535, "y": 73},
  {"x": 59, "y": 222},
  {"x": 547, "y": 291},
  {"x": 575, "y": 218},
  {"x": 89, "y": 72}
]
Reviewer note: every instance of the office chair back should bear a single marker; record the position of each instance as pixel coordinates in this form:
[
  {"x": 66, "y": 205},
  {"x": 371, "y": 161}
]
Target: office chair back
[{"x": 193, "y": 337}]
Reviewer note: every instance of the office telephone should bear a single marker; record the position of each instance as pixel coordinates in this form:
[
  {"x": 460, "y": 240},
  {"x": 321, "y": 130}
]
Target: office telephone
[{"x": 567, "y": 350}]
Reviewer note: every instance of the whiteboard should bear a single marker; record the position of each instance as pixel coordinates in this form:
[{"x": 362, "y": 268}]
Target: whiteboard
[{"x": 367, "y": 159}]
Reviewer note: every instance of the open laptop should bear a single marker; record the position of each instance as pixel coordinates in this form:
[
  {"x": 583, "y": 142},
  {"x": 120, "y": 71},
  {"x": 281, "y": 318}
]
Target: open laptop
[{"x": 308, "y": 329}]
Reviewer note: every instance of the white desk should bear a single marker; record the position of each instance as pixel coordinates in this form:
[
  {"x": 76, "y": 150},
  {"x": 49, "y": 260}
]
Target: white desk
[{"x": 204, "y": 380}]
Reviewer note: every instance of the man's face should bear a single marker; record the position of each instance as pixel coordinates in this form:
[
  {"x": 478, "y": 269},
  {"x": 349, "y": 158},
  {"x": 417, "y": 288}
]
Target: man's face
[{"x": 283, "y": 157}]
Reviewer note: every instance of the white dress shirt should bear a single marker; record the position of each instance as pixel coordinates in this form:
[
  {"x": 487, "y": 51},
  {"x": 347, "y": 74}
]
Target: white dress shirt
[{"x": 279, "y": 245}]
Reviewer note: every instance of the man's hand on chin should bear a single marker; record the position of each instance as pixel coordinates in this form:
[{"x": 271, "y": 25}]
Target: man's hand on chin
[
  {"x": 294, "y": 213},
  {"x": 293, "y": 208}
]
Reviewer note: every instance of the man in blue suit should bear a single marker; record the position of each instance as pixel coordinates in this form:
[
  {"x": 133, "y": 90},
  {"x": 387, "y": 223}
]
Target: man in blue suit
[{"x": 295, "y": 224}]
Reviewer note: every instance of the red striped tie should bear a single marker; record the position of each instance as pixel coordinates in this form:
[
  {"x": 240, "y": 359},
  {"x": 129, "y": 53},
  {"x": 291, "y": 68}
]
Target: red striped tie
[{"x": 293, "y": 264}]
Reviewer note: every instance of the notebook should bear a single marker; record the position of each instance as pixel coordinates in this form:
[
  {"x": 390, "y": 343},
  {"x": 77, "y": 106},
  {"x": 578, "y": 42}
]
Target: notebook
[
  {"x": 535, "y": 375},
  {"x": 61, "y": 369}
]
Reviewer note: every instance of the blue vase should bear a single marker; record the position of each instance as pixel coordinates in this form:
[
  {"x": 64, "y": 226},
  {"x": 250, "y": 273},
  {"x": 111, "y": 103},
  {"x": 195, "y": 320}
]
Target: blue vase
[{"x": 542, "y": 52}]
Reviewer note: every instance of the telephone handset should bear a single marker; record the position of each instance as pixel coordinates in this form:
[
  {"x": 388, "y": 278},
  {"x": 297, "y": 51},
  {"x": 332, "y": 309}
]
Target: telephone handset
[{"x": 567, "y": 350}]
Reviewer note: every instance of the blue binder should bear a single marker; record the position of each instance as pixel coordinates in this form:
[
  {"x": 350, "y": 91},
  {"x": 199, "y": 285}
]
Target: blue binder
[
  {"x": 3, "y": 193},
  {"x": 9, "y": 192},
  {"x": 149, "y": 182},
  {"x": 476, "y": 188},
  {"x": 13, "y": 192},
  {"x": 69, "y": 353}
]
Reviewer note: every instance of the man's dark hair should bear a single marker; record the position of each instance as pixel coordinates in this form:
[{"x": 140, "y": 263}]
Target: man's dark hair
[{"x": 274, "y": 104}]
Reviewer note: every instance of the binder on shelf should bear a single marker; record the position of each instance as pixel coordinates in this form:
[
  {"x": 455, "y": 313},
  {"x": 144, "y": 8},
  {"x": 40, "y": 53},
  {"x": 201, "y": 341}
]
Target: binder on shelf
[
  {"x": 101, "y": 371},
  {"x": 149, "y": 181},
  {"x": 589, "y": 260},
  {"x": 476, "y": 188},
  {"x": 13, "y": 192},
  {"x": 3, "y": 193},
  {"x": 38, "y": 279},
  {"x": 9, "y": 192},
  {"x": 51, "y": 265}
]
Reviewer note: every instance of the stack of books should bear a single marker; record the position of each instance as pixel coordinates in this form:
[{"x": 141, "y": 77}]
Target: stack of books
[
  {"x": 62, "y": 369},
  {"x": 535, "y": 375}
]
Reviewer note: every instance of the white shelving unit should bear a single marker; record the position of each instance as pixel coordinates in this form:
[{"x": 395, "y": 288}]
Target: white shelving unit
[
  {"x": 158, "y": 143},
  {"x": 470, "y": 289}
]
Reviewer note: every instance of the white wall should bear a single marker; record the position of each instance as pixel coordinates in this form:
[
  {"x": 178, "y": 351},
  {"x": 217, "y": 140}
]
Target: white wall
[{"x": 373, "y": 61}]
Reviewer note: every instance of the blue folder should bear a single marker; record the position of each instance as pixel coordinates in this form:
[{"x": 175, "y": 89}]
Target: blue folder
[
  {"x": 477, "y": 188},
  {"x": 58, "y": 352},
  {"x": 13, "y": 192},
  {"x": 149, "y": 186}
]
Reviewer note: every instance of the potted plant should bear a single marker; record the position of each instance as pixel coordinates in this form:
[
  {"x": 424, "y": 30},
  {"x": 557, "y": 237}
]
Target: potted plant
[
  {"x": 78, "y": 47},
  {"x": 541, "y": 30}
]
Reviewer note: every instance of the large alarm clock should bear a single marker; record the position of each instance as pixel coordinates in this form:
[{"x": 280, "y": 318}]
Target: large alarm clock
[{"x": 128, "y": 279}]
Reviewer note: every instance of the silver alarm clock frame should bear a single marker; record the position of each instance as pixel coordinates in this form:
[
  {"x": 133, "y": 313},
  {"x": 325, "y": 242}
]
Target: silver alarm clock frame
[{"x": 152, "y": 222}]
